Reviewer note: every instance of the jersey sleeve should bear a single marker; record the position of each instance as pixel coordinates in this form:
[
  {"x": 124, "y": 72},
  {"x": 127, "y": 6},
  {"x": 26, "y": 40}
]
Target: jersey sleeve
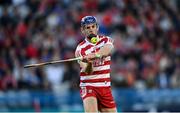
[{"x": 109, "y": 41}]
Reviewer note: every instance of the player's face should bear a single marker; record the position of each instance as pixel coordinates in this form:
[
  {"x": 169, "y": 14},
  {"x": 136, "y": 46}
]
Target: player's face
[{"x": 89, "y": 29}]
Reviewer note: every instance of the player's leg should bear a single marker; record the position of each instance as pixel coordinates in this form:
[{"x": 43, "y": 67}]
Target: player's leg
[
  {"x": 89, "y": 99},
  {"x": 112, "y": 110},
  {"x": 90, "y": 104},
  {"x": 106, "y": 101}
]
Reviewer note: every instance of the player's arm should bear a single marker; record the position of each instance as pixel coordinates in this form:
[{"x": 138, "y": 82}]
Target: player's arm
[
  {"x": 85, "y": 65},
  {"x": 104, "y": 51}
]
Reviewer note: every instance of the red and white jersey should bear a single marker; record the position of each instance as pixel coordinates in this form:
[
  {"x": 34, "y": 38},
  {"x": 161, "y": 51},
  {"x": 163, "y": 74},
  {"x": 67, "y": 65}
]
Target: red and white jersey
[{"x": 101, "y": 66}]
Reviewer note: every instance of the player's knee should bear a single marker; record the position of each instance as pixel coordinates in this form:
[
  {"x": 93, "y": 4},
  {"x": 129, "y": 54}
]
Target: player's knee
[{"x": 90, "y": 108}]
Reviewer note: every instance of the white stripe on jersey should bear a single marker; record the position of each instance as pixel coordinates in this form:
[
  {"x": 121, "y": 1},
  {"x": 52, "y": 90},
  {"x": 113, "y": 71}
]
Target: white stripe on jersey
[
  {"x": 90, "y": 77},
  {"x": 100, "y": 84},
  {"x": 89, "y": 50},
  {"x": 100, "y": 68}
]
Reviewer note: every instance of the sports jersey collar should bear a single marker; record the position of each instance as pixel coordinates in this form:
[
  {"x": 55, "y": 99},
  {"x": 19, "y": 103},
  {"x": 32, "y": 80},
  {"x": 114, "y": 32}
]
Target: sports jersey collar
[{"x": 90, "y": 42}]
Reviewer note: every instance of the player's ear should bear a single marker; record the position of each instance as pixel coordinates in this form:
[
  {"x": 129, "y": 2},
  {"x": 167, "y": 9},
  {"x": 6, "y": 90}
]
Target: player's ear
[{"x": 82, "y": 30}]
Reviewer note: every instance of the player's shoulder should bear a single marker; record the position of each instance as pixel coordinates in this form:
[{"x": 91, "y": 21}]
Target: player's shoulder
[
  {"x": 106, "y": 39},
  {"x": 79, "y": 46},
  {"x": 81, "y": 43}
]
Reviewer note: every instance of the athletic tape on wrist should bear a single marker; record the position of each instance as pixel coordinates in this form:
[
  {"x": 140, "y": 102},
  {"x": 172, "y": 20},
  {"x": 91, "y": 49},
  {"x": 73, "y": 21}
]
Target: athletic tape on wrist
[{"x": 97, "y": 55}]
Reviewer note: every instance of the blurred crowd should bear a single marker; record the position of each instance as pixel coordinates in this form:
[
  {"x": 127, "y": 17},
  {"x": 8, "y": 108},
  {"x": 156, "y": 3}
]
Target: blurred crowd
[{"x": 146, "y": 36}]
